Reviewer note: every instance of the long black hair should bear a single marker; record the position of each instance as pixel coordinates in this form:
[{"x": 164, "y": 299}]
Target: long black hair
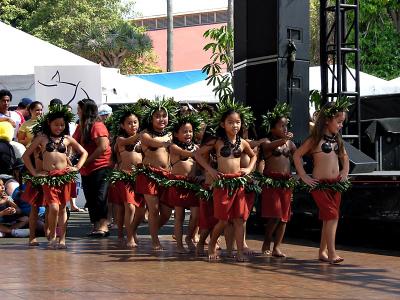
[{"x": 89, "y": 117}]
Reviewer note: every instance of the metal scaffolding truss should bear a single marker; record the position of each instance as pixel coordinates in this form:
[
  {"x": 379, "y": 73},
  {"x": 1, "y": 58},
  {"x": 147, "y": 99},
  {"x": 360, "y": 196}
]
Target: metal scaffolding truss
[{"x": 339, "y": 48}]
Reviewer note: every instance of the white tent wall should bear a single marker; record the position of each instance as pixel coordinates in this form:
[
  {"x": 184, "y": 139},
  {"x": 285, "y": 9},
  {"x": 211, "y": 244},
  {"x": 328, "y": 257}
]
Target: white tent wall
[
  {"x": 117, "y": 88},
  {"x": 20, "y": 86},
  {"x": 24, "y": 51}
]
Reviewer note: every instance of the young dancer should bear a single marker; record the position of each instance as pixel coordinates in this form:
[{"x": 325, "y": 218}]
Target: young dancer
[
  {"x": 57, "y": 174},
  {"x": 331, "y": 168},
  {"x": 155, "y": 140},
  {"x": 228, "y": 187},
  {"x": 277, "y": 183},
  {"x": 207, "y": 221},
  {"x": 130, "y": 206},
  {"x": 182, "y": 191}
]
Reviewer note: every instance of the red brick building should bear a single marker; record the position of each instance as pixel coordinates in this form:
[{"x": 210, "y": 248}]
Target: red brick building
[{"x": 191, "y": 19}]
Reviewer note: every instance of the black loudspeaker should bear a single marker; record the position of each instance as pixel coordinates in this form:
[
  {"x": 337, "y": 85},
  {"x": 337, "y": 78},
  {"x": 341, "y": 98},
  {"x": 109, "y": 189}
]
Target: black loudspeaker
[
  {"x": 263, "y": 30},
  {"x": 391, "y": 152},
  {"x": 359, "y": 162},
  {"x": 262, "y": 85}
]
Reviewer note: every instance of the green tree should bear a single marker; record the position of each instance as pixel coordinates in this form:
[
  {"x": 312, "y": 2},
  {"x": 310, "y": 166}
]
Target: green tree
[
  {"x": 220, "y": 70},
  {"x": 111, "y": 43},
  {"x": 16, "y": 12},
  {"x": 95, "y": 29},
  {"x": 145, "y": 63},
  {"x": 380, "y": 38},
  {"x": 62, "y": 22}
]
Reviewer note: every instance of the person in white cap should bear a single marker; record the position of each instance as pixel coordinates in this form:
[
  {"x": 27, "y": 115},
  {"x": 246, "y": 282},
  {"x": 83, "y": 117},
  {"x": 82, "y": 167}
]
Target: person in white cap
[{"x": 104, "y": 112}]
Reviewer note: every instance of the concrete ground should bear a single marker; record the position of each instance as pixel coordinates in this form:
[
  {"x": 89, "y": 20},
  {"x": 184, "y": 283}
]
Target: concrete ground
[{"x": 101, "y": 269}]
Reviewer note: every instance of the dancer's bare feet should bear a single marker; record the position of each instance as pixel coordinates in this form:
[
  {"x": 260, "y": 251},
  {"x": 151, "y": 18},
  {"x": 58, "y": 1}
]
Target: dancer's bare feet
[
  {"x": 131, "y": 244},
  {"x": 266, "y": 248},
  {"x": 53, "y": 244},
  {"x": 158, "y": 247},
  {"x": 135, "y": 238},
  {"x": 278, "y": 253},
  {"x": 247, "y": 251},
  {"x": 33, "y": 243},
  {"x": 240, "y": 257},
  {"x": 323, "y": 256},
  {"x": 62, "y": 245},
  {"x": 190, "y": 244},
  {"x": 181, "y": 250},
  {"x": 336, "y": 260},
  {"x": 196, "y": 239},
  {"x": 212, "y": 254}
]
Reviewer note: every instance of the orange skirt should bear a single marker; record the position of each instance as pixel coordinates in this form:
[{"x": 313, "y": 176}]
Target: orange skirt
[
  {"x": 33, "y": 195},
  {"x": 229, "y": 204},
  {"x": 119, "y": 193},
  {"x": 328, "y": 201}
]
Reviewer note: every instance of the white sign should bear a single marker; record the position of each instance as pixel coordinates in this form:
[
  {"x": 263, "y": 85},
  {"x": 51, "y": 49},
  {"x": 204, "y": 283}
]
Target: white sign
[{"x": 70, "y": 84}]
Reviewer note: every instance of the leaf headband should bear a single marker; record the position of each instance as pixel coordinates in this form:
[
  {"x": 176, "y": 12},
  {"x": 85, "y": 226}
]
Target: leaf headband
[
  {"x": 54, "y": 110},
  {"x": 168, "y": 104},
  {"x": 122, "y": 112},
  {"x": 194, "y": 119},
  {"x": 231, "y": 105},
  {"x": 281, "y": 110},
  {"x": 340, "y": 105}
]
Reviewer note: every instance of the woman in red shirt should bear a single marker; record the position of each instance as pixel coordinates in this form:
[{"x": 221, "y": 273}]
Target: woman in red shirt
[{"x": 94, "y": 137}]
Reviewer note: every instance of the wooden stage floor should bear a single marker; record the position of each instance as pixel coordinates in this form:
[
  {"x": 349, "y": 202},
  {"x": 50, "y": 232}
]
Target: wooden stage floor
[{"x": 99, "y": 269}]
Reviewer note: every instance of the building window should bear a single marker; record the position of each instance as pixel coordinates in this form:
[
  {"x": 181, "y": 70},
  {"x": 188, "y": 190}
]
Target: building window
[
  {"x": 150, "y": 24},
  {"x": 207, "y": 18},
  {"x": 161, "y": 23},
  {"x": 138, "y": 23},
  {"x": 192, "y": 20},
  {"x": 221, "y": 17},
  {"x": 185, "y": 20},
  {"x": 179, "y": 21}
]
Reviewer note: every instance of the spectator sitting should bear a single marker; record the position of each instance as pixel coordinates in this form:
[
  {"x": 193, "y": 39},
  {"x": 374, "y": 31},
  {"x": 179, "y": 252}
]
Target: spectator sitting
[{"x": 11, "y": 219}]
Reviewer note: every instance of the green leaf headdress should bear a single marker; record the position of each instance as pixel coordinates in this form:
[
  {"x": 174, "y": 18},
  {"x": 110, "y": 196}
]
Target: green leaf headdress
[
  {"x": 192, "y": 118},
  {"x": 231, "y": 105},
  {"x": 55, "y": 110},
  {"x": 341, "y": 104},
  {"x": 122, "y": 112},
  {"x": 167, "y": 104},
  {"x": 281, "y": 110}
]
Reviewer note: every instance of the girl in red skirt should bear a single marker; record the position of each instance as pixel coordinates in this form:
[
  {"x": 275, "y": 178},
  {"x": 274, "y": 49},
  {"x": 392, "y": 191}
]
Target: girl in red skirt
[
  {"x": 183, "y": 184},
  {"x": 331, "y": 168},
  {"x": 277, "y": 180},
  {"x": 127, "y": 153},
  {"x": 229, "y": 182}
]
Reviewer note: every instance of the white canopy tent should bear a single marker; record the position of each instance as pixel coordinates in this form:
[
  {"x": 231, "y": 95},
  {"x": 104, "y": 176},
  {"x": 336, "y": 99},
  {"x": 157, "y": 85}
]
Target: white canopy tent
[
  {"x": 22, "y": 53},
  {"x": 369, "y": 85}
]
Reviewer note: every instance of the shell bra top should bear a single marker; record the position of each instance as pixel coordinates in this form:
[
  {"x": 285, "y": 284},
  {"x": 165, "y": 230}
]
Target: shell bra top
[
  {"x": 52, "y": 145},
  {"x": 285, "y": 151},
  {"x": 328, "y": 145},
  {"x": 184, "y": 146},
  {"x": 231, "y": 149}
]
